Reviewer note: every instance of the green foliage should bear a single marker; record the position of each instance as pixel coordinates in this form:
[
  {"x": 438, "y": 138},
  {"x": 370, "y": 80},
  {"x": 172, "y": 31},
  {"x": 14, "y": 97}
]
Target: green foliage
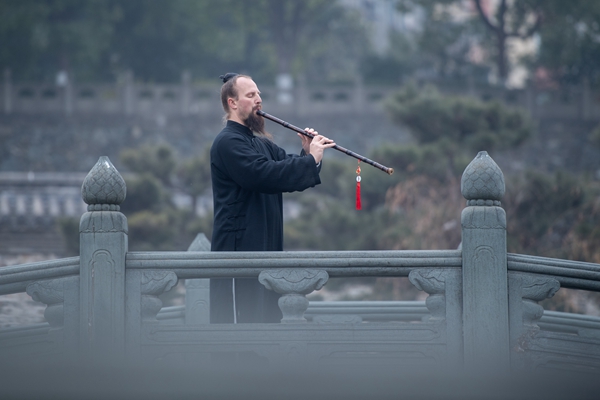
[
  {"x": 541, "y": 210},
  {"x": 594, "y": 136},
  {"x": 150, "y": 230},
  {"x": 158, "y": 161},
  {"x": 145, "y": 192},
  {"x": 569, "y": 36},
  {"x": 394, "y": 66},
  {"x": 193, "y": 176},
  {"x": 154, "y": 221},
  {"x": 462, "y": 121},
  {"x": 157, "y": 40},
  {"x": 334, "y": 224},
  {"x": 41, "y": 37}
]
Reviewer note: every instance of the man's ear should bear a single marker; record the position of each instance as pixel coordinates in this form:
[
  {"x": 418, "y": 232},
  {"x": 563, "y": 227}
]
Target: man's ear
[{"x": 232, "y": 103}]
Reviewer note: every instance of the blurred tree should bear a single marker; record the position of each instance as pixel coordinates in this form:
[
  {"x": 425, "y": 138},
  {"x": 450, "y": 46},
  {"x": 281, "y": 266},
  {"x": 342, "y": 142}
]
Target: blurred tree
[
  {"x": 40, "y": 38},
  {"x": 158, "y": 161},
  {"x": 457, "y": 122},
  {"x": 451, "y": 29},
  {"x": 570, "y": 40},
  {"x": 289, "y": 21},
  {"x": 404, "y": 210},
  {"x": 155, "y": 223},
  {"x": 308, "y": 32},
  {"x": 193, "y": 177},
  {"x": 511, "y": 19},
  {"x": 152, "y": 231},
  {"x": 594, "y": 136},
  {"x": 444, "y": 42},
  {"x": 145, "y": 192},
  {"x": 158, "y": 40},
  {"x": 541, "y": 210}
]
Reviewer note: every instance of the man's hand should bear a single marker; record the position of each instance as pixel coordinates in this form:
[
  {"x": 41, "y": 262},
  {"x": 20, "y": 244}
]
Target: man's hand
[{"x": 316, "y": 145}]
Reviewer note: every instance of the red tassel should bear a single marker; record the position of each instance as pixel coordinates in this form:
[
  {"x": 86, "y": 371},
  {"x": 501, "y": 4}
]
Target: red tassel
[
  {"x": 358, "y": 205},
  {"x": 358, "y": 179}
]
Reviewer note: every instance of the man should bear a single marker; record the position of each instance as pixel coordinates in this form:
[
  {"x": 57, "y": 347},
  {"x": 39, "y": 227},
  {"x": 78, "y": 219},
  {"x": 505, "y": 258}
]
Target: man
[{"x": 249, "y": 174}]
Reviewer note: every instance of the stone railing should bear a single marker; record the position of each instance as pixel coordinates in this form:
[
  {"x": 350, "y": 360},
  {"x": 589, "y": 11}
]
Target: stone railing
[
  {"x": 481, "y": 313},
  {"x": 128, "y": 97}
]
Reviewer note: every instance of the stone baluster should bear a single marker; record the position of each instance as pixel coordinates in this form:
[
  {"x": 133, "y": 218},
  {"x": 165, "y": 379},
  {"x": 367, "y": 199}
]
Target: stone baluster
[
  {"x": 128, "y": 92},
  {"x": 103, "y": 247},
  {"x": 143, "y": 304},
  {"x": 445, "y": 305},
  {"x": 68, "y": 92},
  {"x": 153, "y": 284},
  {"x": 484, "y": 272},
  {"x": 197, "y": 291},
  {"x": 433, "y": 282},
  {"x": 7, "y": 91},
  {"x": 186, "y": 92},
  {"x": 61, "y": 297},
  {"x": 525, "y": 291},
  {"x": 293, "y": 285}
]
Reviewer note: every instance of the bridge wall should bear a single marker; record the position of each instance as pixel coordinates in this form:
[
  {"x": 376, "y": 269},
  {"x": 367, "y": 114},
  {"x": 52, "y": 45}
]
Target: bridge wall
[{"x": 482, "y": 308}]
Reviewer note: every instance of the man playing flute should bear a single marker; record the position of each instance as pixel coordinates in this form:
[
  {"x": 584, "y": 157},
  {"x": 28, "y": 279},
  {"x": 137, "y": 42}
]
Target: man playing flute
[{"x": 249, "y": 174}]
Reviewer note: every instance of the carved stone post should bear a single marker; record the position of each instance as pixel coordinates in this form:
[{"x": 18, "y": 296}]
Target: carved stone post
[
  {"x": 103, "y": 247},
  {"x": 293, "y": 285},
  {"x": 484, "y": 276}
]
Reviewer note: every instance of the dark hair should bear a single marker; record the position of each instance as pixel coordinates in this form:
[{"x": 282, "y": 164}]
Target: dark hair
[{"x": 229, "y": 90}]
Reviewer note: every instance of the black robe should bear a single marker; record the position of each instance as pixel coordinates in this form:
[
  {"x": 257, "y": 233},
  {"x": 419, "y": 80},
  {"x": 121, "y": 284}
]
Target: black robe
[{"x": 249, "y": 175}]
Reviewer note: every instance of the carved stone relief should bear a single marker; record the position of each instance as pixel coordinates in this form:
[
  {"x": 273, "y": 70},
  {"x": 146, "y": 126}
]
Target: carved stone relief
[
  {"x": 293, "y": 284},
  {"x": 52, "y": 293},
  {"x": 154, "y": 283},
  {"x": 433, "y": 282}
]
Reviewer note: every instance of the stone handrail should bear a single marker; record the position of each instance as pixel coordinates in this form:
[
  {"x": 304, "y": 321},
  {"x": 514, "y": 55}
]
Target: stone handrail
[
  {"x": 191, "y": 265},
  {"x": 187, "y": 265},
  {"x": 15, "y": 278},
  {"x": 570, "y": 274}
]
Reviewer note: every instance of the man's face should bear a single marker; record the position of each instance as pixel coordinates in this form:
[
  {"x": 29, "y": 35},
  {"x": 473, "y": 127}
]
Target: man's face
[{"x": 248, "y": 100}]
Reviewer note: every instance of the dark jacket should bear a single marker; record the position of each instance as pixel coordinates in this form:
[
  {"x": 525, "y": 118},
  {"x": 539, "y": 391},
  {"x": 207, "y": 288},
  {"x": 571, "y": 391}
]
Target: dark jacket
[{"x": 249, "y": 175}]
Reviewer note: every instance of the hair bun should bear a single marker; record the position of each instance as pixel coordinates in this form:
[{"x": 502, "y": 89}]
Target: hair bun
[{"x": 227, "y": 76}]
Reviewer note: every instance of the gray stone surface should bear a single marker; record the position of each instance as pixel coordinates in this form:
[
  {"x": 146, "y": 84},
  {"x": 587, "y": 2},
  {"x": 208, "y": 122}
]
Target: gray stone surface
[
  {"x": 482, "y": 314},
  {"x": 484, "y": 272}
]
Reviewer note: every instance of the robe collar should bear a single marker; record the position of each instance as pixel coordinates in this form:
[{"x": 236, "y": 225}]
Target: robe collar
[{"x": 236, "y": 126}]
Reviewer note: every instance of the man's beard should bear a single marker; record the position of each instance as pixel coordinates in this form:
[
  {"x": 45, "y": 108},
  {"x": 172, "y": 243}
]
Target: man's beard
[{"x": 256, "y": 124}]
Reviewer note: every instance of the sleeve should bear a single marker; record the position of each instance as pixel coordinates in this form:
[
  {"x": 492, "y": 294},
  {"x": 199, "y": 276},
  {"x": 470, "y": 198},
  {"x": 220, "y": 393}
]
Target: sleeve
[
  {"x": 303, "y": 153},
  {"x": 255, "y": 171}
]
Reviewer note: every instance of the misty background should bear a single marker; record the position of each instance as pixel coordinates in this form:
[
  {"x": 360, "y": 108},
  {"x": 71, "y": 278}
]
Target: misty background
[{"x": 417, "y": 85}]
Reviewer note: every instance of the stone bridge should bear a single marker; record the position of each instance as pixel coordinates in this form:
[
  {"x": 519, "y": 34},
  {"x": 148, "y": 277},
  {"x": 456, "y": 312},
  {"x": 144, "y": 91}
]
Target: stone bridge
[{"x": 482, "y": 318}]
